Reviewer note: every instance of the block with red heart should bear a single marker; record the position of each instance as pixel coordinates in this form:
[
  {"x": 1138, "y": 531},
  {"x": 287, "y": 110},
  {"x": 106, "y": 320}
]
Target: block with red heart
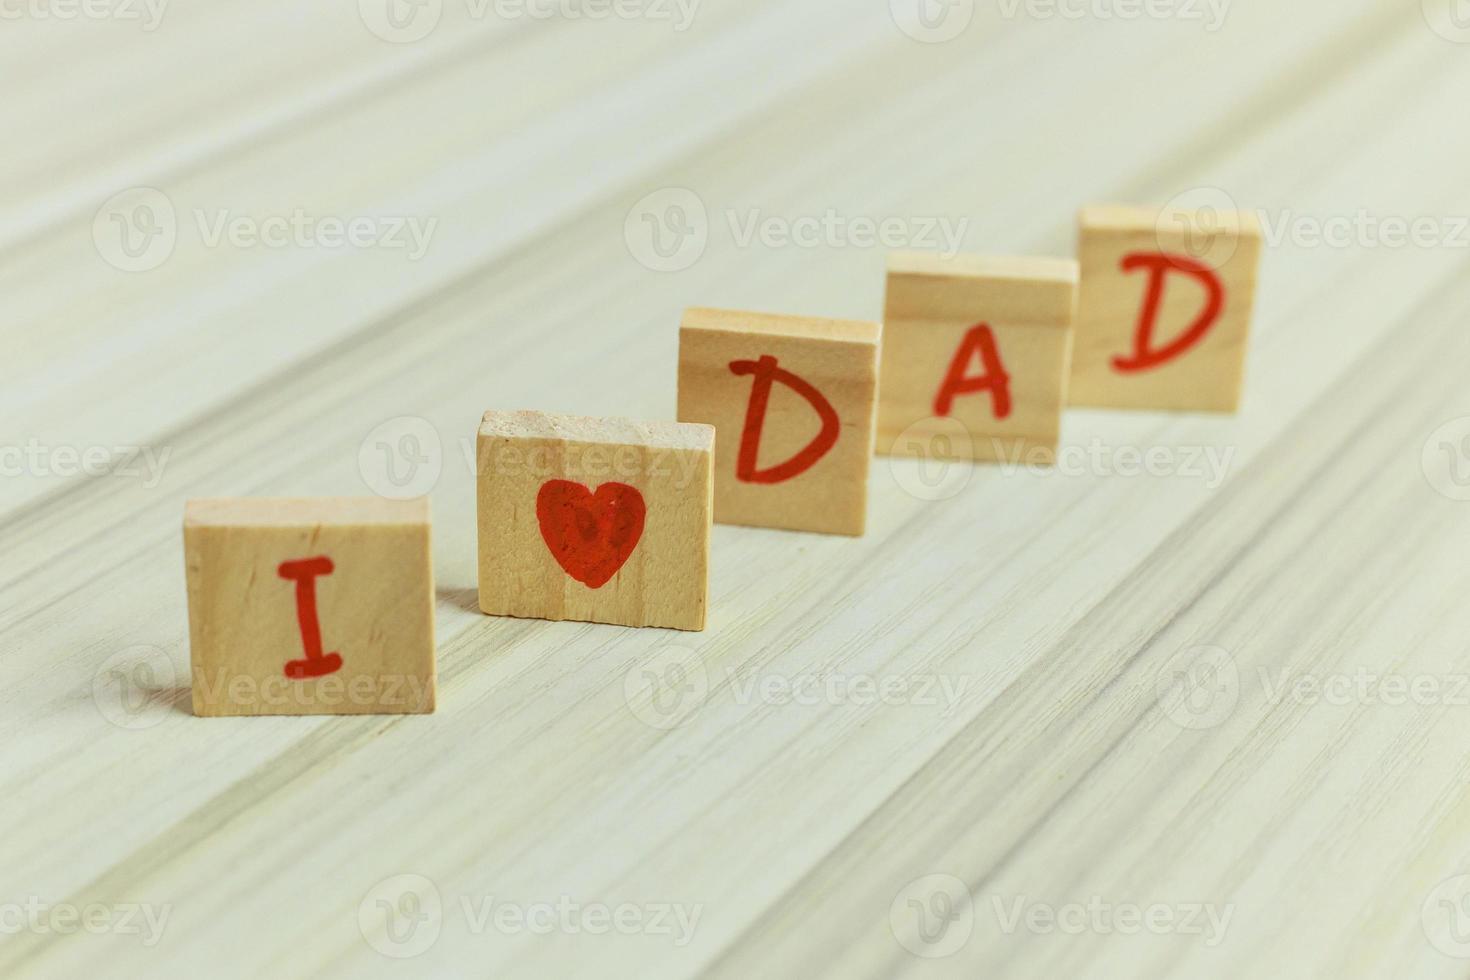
[{"x": 595, "y": 520}]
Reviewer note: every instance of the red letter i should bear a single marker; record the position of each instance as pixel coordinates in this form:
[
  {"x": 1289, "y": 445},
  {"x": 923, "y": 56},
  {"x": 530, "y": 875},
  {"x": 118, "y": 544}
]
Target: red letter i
[{"x": 316, "y": 664}]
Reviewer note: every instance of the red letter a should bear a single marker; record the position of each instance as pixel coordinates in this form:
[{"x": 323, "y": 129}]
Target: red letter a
[
  {"x": 1144, "y": 355},
  {"x": 766, "y": 371},
  {"x": 980, "y": 340},
  {"x": 304, "y": 573}
]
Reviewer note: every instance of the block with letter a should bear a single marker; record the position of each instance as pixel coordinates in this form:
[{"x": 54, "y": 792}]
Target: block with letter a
[
  {"x": 1165, "y": 306},
  {"x": 310, "y": 606},
  {"x": 595, "y": 520},
  {"x": 793, "y": 401},
  {"x": 979, "y": 349}
]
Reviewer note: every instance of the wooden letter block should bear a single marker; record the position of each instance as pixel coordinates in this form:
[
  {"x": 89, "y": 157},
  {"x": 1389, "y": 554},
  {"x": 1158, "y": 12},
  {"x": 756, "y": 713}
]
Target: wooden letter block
[
  {"x": 1165, "y": 308},
  {"x": 596, "y": 520},
  {"x": 986, "y": 342},
  {"x": 310, "y": 607},
  {"x": 793, "y": 400}
]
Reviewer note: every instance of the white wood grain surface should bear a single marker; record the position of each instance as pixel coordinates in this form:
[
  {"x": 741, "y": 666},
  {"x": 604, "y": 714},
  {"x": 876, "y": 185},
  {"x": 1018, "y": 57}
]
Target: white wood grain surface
[{"x": 1303, "y": 813}]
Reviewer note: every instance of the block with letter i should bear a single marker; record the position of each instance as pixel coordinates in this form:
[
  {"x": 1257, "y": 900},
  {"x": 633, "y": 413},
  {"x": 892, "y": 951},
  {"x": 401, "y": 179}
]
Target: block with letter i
[
  {"x": 978, "y": 342},
  {"x": 310, "y": 606},
  {"x": 793, "y": 401},
  {"x": 1164, "y": 312},
  {"x": 595, "y": 520}
]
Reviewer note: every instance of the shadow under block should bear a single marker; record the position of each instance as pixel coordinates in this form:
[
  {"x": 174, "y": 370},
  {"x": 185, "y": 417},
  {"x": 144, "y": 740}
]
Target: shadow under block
[
  {"x": 793, "y": 400},
  {"x": 317, "y": 606},
  {"x": 1165, "y": 307},
  {"x": 979, "y": 342},
  {"x": 595, "y": 520}
]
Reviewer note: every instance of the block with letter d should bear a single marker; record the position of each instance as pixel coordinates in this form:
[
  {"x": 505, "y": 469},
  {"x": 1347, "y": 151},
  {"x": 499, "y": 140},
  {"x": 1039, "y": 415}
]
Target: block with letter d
[
  {"x": 792, "y": 400},
  {"x": 310, "y": 606},
  {"x": 1164, "y": 312}
]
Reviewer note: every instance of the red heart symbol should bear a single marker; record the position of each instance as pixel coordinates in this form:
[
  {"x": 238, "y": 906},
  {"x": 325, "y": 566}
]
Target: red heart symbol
[{"x": 590, "y": 534}]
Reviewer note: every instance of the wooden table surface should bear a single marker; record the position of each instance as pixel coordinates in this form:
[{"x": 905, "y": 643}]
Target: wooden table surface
[{"x": 1195, "y": 703}]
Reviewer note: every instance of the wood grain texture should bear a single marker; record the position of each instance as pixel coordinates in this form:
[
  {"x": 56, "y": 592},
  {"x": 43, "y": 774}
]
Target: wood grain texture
[{"x": 1002, "y": 684}]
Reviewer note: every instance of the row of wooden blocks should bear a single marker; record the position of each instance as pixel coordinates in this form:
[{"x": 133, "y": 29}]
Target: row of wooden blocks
[{"x": 327, "y": 605}]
